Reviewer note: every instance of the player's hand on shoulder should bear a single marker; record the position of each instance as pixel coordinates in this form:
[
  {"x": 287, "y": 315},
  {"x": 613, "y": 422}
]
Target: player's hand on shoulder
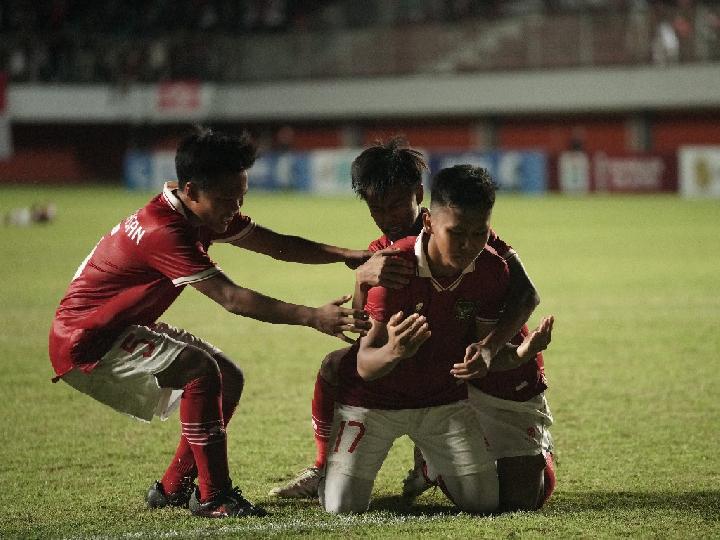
[
  {"x": 333, "y": 319},
  {"x": 537, "y": 340},
  {"x": 407, "y": 334},
  {"x": 385, "y": 268},
  {"x": 476, "y": 363},
  {"x": 356, "y": 257}
]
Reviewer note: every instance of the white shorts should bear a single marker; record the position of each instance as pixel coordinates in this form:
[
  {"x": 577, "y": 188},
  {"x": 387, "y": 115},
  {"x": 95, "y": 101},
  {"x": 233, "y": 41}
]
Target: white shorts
[
  {"x": 449, "y": 436},
  {"x": 513, "y": 428},
  {"x": 124, "y": 379}
]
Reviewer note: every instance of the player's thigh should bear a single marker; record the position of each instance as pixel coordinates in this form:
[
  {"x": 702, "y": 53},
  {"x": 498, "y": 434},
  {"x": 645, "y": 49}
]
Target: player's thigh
[
  {"x": 126, "y": 376},
  {"x": 359, "y": 443},
  {"x": 454, "y": 447},
  {"x": 232, "y": 375},
  {"x": 330, "y": 366},
  {"x": 521, "y": 481}
]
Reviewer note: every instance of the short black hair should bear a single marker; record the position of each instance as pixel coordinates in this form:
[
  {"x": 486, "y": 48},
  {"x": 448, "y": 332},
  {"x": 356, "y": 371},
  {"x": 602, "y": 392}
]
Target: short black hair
[
  {"x": 384, "y": 166},
  {"x": 204, "y": 155},
  {"x": 463, "y": 186}
]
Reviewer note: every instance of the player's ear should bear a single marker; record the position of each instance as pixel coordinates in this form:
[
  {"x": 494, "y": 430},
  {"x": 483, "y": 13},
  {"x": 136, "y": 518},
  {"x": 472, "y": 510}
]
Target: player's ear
[
  {"x": 419, "y": 193},
  {"x": 427, "y": 222},
  {"x": 191, "y": 190}
]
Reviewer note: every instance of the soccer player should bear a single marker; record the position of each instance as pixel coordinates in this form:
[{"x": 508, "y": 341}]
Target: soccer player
[
  {"x": 106, "y": 340},
  {"x": 400, "y": 379},
  {"x": 388, "y": 177}
]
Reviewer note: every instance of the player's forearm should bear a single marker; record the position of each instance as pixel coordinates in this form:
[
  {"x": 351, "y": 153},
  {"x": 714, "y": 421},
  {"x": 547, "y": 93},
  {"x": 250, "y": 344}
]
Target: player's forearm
[
  {"x": 521, "y": 302},
  {"x": 304, "y": 251},
  {"x": 249, "y": 303},
  {"x": 375, "y": 362},
  {"x": 506, "y": 359}
]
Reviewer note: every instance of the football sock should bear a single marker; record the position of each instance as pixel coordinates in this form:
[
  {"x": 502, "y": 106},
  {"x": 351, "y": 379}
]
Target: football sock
[
  {"x": 323, "y": 411},
  {"x": 182, "y": 466},
  {"x": 550, "y": 479},
  {"x": 203, "y": 428}
]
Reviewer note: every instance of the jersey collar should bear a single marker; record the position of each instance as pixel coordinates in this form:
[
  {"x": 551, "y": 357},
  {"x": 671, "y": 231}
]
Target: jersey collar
[
  {"x": 423, "y": 266},
  {"x": 172, "y": 200}
]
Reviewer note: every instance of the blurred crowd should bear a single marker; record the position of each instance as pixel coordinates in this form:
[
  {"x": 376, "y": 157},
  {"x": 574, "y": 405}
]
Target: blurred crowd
[{"x": 123, "y": 41}]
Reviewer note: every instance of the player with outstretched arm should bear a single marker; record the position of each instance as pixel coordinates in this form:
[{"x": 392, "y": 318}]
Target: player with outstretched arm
[{"x": 106, "y": 340}]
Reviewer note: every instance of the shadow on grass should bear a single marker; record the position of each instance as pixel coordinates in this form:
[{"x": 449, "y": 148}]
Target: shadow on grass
[{"x": 705, "y": 502}]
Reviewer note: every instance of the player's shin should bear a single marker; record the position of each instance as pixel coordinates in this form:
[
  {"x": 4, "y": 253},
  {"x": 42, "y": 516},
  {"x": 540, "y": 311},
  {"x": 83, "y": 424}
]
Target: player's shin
[{"x": 323, "y": 411}]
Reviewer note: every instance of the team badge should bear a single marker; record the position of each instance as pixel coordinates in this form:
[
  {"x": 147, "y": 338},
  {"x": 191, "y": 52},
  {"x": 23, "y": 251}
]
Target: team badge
[
  {"x": 464, "y": 310},
  {"x": 418, "y": 307}
]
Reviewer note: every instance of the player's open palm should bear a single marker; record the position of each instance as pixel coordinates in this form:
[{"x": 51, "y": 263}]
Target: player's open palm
[
  {"x": 476, "y": 363},
  {"x": 333, "y": 319},
  {"x": 407, "y": 334},
  {"x": 537, "y": 340}
]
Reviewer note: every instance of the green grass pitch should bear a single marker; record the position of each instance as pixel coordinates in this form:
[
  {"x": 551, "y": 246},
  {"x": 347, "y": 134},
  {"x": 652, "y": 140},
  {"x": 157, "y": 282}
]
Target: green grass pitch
[{"x": 633, "y": 369}]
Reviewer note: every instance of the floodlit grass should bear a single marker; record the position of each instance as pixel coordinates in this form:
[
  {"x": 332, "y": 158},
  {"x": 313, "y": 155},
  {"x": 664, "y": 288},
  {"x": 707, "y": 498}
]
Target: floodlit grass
[{"x": 633, "y": 369}]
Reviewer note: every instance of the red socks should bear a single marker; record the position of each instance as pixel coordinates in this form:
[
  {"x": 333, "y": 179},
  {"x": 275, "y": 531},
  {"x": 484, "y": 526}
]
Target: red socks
[
  {"x": 203, "y": 434},
  {"x": 323, "y": 411},
  {"x": 550, "y": 479}
]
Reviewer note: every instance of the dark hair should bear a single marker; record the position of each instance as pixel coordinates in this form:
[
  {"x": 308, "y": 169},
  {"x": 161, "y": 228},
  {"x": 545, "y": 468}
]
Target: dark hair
[
  {"x": 463, "y": 186},
  {"x": 384, "y": 166},
  {"x": 204, "y": 155}
]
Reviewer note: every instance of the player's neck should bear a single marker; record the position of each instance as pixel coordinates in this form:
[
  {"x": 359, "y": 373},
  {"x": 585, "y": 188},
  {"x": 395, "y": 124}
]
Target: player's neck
[
  {"x": 187, "y": 203},
  {"x": 437, "y": 269}
]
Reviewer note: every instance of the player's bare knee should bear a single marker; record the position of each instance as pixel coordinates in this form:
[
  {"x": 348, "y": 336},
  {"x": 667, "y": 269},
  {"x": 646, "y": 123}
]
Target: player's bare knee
[
  {"x": 330, "y": 366},
  {"x": 521, "y": 482},
  {"x": 233, "y": 379}
]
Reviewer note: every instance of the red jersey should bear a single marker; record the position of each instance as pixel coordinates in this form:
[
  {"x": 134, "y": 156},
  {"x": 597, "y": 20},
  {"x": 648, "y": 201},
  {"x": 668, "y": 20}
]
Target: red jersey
[
  {"x": 131, "y": 277},
  {"x": 451, "y": 307},
  {"x": 519, "y": 384}
]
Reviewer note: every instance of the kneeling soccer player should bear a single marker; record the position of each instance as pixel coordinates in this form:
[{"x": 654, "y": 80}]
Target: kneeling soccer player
[
  {"x": 106, "y": 341},
  {"x": 400, "y": 382}
]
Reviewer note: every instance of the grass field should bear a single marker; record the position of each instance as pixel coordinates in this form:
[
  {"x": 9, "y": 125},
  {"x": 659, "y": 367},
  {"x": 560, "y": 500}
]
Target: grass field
[{"x": 633, "y": 368}]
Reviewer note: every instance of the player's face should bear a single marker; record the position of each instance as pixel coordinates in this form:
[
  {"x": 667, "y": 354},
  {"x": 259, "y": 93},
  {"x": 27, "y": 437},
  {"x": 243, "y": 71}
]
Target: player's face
[
  {"x": 216, "y": 207},
  {"x": 457, "y": 236},
  {"x": 396, "y": 211}
]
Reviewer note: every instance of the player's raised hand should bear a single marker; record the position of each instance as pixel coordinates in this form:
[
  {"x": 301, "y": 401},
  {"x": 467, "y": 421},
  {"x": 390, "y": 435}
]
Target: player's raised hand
[
  {"x": 407, "y": 334},
  {"x": 386, "y": 269},
  {"x": 333, "y": 319},
  {"x": 537, "y": 340},
  {"x": 476, "y": 363}
]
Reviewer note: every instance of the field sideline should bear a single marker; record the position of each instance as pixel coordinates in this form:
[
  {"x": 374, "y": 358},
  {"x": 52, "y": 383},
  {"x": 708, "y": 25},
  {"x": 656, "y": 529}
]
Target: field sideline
[{"x": 633, "y": 370}]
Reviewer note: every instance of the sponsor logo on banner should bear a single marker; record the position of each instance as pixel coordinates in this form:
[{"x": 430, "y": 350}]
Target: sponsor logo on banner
[
  {"x": 633, "y": 173},
  {"x": 182, "y": 99},
  {"x": 699, "y": 171},
  {"x": 330, "y": 171}
]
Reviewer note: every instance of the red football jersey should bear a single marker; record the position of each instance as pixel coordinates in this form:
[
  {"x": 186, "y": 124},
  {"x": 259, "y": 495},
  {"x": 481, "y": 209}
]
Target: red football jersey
[
  {"x": 131, "y": 277},
  {"x": 451, "y": 307}
]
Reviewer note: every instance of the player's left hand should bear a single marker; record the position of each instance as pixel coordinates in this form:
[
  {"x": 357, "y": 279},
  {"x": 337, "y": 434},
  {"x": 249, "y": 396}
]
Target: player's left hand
[
  {"x": 356, "y": 257},
  {"x": 476, "y": 363}
]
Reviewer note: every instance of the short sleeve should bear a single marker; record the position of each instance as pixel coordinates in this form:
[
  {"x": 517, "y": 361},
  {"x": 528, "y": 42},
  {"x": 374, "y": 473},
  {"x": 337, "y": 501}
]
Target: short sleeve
[
  {"x": 504, "y": 250},
  {"x": 240, "y": 227},
  {"x": 383, "y": 303},
  {"x": 180, "y": 256},
  {"x": 495, "y": 281}
]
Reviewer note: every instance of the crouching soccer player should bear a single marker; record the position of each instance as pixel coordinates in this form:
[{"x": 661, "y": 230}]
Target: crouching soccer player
[
  {"x": 106, "y": 340},
  {"x": 388, "y": 177},
  {"x": 399, "y": 380}
]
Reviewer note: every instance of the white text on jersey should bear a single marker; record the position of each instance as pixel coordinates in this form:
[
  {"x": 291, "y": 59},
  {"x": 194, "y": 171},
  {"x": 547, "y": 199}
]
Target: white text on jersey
[{"x": 133, "y": 229}]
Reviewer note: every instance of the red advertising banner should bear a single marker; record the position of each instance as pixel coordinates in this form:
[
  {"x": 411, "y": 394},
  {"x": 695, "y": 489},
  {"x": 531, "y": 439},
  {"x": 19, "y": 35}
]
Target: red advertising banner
[
  {"x": 617, "y": 173},
  {"x": 179, "y": 97}
]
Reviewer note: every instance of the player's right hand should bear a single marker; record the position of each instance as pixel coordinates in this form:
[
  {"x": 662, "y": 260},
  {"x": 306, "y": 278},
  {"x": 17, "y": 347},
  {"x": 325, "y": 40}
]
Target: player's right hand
[
  {"x": 386, "y": 269},
  {"x": 537, "y": 340},
  {"x": 406, "y": 335},
  {"x": 333, "y": 319}
]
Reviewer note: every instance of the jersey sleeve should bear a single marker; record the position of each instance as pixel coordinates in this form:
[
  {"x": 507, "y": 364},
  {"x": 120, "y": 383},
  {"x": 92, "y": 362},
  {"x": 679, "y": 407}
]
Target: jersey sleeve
[
  {"x": 383, "y": 303},
  {"x": 240, "y": 227},
  {"x": 495, "y": 283},
  {"x": 504, "y": 250},
  {"x": 180, "y": 256}
]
